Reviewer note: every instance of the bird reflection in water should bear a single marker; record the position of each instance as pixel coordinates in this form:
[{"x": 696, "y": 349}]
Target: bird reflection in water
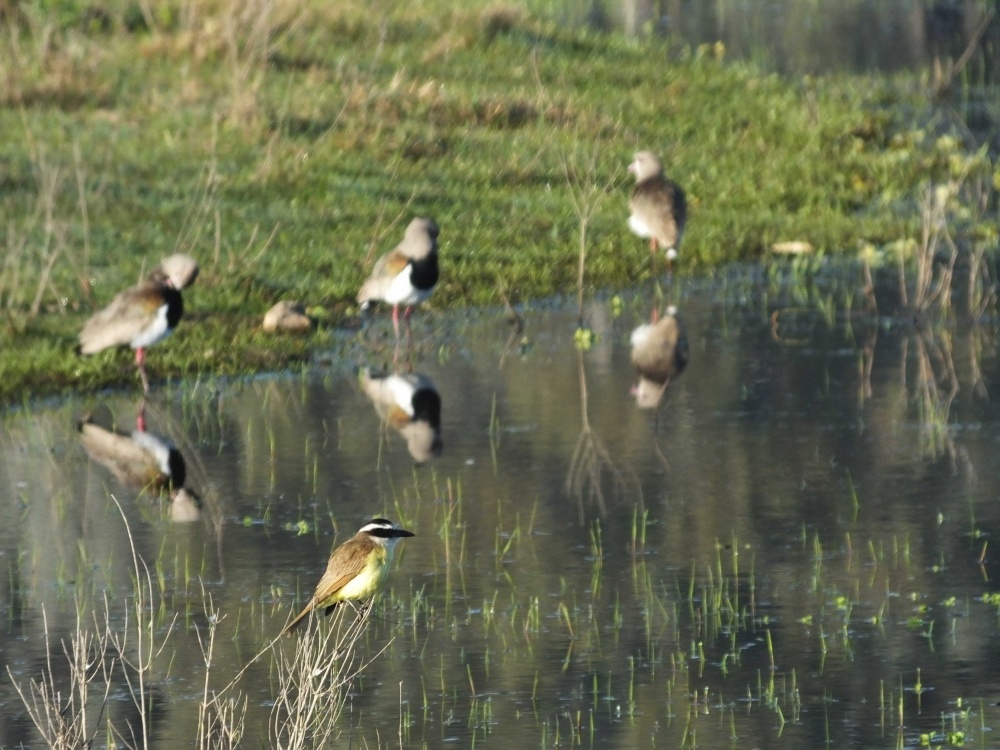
[
  {"x": 411, "y": 405},
  {"x": 142, "y": 460},
  {"x": 659, "y": 354}
]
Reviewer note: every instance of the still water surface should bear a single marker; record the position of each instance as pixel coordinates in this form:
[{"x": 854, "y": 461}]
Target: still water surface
[
  {"x": 792, "y": 551},
  {"x": 808, "y": 37}
]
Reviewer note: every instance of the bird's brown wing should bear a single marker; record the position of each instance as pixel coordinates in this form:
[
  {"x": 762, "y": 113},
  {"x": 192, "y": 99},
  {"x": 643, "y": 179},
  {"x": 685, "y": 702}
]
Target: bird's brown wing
[
  {"x": 396, "y": 417},
  {"x": 654, "y": 357},
  {"x": 132, "y": 465},
  {"x": 122, "y": 320},
  {"x": 345, "y": 563},
  {"x": 660, "y": 205},
  {"x": 387, "y": 268}
]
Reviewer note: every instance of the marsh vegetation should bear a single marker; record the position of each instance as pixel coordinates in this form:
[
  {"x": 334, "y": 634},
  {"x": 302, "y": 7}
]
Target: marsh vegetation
[
  {"x": 795, "y": 550},
  {"x": 279, "y": 141},
  {"x": 792, "y": 550}
]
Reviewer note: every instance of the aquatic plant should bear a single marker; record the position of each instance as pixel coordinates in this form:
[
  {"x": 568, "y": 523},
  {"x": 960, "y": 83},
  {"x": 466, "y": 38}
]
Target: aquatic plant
[
  {"x": 314, "y": 674},
  {"x": 72, "y": 703},
  {"x": 269, "y": 139}
]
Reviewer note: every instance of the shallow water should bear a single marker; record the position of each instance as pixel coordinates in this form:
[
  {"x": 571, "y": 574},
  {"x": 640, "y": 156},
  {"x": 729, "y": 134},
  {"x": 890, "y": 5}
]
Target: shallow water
[
  {"x": 791, "y": 36},
  {"x": 792, "y": 550},
  {"x": 952, "y": 45}
]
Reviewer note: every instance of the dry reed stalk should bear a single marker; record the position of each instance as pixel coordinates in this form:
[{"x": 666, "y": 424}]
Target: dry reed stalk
[{"x": 314, "y": 673}]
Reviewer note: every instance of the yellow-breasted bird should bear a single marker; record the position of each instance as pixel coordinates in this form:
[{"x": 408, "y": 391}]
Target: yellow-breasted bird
[{"x": 357, "y": 569}]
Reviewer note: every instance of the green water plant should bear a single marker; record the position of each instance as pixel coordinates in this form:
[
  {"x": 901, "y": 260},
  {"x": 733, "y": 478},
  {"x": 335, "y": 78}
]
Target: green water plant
[{"x": 269, "y": 138}]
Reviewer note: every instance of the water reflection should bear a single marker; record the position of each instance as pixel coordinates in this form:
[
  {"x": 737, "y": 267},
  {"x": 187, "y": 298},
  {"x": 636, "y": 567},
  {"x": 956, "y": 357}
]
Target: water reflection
[
  {"x": 777, "y": 525},
  {"x": 411, "y": 405},
  {"x": 141, "y": 460},
  {"x": 659, "y": 354},
  {"x": 935, "y": 386},
  {"x": 798, "y": 37}
]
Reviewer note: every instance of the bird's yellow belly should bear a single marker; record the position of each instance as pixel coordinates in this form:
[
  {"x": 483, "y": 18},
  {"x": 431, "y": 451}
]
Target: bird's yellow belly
[{"x": 368, "y": 581}]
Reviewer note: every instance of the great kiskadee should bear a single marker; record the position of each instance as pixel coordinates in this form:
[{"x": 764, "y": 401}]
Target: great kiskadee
[{"x": 357, "y": 568}]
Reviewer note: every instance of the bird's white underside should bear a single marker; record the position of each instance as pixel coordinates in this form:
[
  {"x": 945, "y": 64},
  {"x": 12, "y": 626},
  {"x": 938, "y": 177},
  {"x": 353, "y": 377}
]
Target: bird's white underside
[
  {"x": 156, "y": 446},
  {"x": 402, "y": 292},
  {"x": 640, "y": 335},
  {"x": 647, "y": 393},
  {"x": 402, "y": 391},
  {"x": 156, "y": 332},
  {"x": 638, "y": 226}
]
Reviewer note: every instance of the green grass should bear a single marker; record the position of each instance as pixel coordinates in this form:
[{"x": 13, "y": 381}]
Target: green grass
[{"x": 285, "y": 145}]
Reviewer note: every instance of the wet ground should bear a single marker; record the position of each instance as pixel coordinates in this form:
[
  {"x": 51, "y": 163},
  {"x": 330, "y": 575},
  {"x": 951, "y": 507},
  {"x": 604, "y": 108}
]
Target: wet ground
[{"x": 795, "y": 548}]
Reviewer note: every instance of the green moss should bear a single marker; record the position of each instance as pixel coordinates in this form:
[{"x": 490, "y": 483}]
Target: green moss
[{"x": 279, "y": 165}]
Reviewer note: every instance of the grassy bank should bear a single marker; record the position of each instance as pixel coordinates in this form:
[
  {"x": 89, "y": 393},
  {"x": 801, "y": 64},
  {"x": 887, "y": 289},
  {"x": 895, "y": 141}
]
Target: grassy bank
[{"x": 284, "y": 143}]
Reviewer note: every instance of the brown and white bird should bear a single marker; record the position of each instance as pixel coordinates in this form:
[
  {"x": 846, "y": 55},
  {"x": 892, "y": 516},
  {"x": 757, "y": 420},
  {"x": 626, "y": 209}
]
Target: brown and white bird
[
  {"x": 657, "y": 205},
  {"x": 141, "y": 460},
  {"x": 357, "y": 569},
  {"x": 407, "y": 275},
  {"x": 144, "y": 314},
  {"x": 411, "y": 405},
  {"x": 659, "y": 354}
]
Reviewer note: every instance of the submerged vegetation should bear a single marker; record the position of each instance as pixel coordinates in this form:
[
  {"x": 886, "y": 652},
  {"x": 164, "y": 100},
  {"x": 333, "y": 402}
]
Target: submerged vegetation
[
  {"x": 698, "y": 603},
  {"x": 282, "y": 142}
]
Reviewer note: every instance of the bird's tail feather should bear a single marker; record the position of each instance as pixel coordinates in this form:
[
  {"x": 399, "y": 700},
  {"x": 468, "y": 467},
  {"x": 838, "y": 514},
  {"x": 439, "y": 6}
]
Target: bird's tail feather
[{"x": 298, "y": 620}]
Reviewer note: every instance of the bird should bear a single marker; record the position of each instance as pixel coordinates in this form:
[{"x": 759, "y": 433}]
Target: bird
[
  {"x": 407, "y": 274},
  {"x": 357, "y": 569},
  {"x": 658, "y": 208},
  {"x": 142, "y": 315},
  {"x": 659, "y": 354},
  {"x": 412, "y": 406}
]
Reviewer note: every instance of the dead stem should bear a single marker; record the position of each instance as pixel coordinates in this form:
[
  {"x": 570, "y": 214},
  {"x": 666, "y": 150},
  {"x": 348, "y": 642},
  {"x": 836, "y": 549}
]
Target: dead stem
[{"x": 591, "y": 459}]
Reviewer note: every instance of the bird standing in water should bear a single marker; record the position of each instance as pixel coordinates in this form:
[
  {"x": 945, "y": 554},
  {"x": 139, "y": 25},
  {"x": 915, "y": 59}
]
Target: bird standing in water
[
  {"x": 658, "y": 208},
  {"x": 142, "y": 315},
  {"x": 357, "y": 569},
  {"x": 407, "y": 274}
]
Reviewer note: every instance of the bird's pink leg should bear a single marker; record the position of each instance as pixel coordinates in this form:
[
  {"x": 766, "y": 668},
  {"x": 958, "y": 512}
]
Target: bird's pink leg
[
  {"x": 395, "y": 319},
  {"x": 140, "y": 361},
  {"x": 140, "y": 417}
]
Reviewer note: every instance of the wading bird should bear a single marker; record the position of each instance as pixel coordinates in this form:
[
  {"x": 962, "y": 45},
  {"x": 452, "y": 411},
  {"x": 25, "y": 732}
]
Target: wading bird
[
  {"x": 406, "y": 275},
  {"x": 142, "y": 315},
  {"x": 657, "y": 205}
]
